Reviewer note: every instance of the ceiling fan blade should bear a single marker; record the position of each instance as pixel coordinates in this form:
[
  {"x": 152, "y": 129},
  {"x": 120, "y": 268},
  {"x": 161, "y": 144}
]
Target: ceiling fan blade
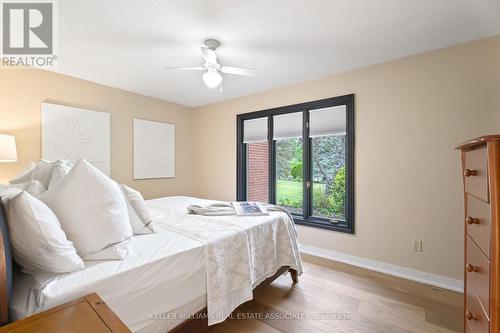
[
  {"x": 186, "y": 68},
  {"x": 209, "y": 55},
  {"x": 239, "y": 70}
]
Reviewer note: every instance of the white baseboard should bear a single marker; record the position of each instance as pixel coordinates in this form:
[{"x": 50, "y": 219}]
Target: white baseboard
[{"x": 390, "y": 269}]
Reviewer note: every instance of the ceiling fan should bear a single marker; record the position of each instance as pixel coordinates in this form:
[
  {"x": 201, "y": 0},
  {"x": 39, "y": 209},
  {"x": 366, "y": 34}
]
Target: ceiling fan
[{"x": 213, "y": 69}]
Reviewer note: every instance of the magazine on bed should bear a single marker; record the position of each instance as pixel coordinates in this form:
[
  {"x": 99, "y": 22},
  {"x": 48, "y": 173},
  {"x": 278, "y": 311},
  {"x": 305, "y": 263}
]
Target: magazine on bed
[{"x": 246, "y": 208}]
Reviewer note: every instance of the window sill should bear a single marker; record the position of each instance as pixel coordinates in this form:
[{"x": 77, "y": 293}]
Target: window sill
[{"x": 339, "y": 227}]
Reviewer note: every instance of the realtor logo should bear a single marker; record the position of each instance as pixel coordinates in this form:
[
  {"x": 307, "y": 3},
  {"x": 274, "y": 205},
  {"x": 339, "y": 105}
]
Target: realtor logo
[{"x": 28, "y": 29}]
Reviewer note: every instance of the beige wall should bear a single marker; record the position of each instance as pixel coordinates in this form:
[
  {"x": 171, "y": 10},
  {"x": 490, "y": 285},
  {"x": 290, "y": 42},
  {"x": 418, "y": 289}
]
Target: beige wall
[
  {"x": 410, "y": 114},
  {"x": 22, "y": 92}
]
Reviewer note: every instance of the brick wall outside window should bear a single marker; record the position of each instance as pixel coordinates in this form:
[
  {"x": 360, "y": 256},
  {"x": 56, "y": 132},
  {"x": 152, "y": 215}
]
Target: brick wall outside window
[{"x": 258, "y": 174}]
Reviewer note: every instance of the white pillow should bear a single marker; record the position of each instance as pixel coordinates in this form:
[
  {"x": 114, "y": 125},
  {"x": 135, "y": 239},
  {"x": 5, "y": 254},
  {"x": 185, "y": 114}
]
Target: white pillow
[
  {"x": 43, "y": 172},
  {"x": 138, "y": 213},
  {"x": 25, "y": 175},
  {"x": 60, "y": 170},
  {"x": 9, "y": 192},
  {"x": 46, "y": 172},
  {"x": 91, "y": 208},
  {"x": 33, "y": 187},
  {"x": 38, "y": 242}
]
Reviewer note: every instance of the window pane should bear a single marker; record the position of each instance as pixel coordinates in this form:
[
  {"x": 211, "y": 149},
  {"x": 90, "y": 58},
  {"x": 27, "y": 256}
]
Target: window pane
[
  {"x": 255, "y": 130},
  {"x": 328, "y": 144},
  {"x": 289, "y": 181},
  {"x": 258, "y": 171},
  {"x": 289, "y": 163}
]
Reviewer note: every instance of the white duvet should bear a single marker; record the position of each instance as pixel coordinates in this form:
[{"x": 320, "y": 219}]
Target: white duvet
[
  {"x": 240, "y": 252},
  {"x": 162, "y": 274}
]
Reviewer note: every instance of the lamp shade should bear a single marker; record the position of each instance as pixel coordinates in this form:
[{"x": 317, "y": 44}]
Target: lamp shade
[{"x": 8, "y": 151}]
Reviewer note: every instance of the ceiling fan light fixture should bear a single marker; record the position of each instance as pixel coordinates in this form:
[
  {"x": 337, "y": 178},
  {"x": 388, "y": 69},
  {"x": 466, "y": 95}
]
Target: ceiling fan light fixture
[{"x": 212, "y": 78}]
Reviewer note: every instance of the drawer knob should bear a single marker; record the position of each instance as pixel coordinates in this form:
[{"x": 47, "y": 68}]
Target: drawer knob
[
  {"x": 469, "y": 315},
  {"x": 469, "y": 172},
  {"x": 471, "y": 268},
  {"x": 471, "y": 220}
]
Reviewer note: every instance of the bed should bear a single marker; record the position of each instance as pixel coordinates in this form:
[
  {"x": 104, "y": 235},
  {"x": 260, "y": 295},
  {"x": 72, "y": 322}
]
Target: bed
[
  {"x": 157, "y": 265},
  {"x": 166, "y": 277}
]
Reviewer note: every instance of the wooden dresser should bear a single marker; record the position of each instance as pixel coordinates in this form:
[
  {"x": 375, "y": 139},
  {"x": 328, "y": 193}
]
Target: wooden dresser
[
  {"x": 481, "y": 178},
  {"x": 88, "y": 314}
]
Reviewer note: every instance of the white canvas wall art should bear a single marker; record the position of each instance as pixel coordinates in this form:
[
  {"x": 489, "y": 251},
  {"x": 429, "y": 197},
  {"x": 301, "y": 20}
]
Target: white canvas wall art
[
  {"x": 154, "y": 149},
  {"x": 71, "y": 133}
]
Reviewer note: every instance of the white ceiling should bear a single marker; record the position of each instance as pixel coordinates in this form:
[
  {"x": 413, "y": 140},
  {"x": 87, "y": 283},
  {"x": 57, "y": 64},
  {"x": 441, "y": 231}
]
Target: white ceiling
[{"x": 127, "y": 43}]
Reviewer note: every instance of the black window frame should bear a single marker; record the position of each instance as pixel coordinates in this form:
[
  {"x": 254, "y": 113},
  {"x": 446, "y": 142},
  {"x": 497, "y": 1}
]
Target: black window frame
[{"x": 307, "y": 219}]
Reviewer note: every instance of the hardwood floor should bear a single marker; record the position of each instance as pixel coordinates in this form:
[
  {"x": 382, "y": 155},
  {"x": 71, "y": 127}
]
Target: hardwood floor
[{"x": 334, "y": 297}]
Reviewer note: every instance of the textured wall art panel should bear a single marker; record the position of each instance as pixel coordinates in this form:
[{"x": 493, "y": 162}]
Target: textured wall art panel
[
  {"x": 154, "y": 149},
  {"x": 70, "y": 133}
]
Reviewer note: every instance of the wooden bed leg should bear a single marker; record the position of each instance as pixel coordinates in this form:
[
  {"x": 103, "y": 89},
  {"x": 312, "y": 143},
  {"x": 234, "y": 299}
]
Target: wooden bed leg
[{"x": 295, "y": 275}]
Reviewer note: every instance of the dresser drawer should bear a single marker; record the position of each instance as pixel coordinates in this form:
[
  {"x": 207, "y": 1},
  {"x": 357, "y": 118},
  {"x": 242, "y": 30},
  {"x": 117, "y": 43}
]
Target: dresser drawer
[
  {"x": 476, "y": 173},
  {"x": 475, "y": 317},
  {"x": 478, "y": 275},
  {"x": 478, "y": 223}
]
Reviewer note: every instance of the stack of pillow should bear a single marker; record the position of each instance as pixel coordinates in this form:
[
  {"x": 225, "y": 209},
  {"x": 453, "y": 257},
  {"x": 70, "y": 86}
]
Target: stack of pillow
[{"x": 60, "y": 215}]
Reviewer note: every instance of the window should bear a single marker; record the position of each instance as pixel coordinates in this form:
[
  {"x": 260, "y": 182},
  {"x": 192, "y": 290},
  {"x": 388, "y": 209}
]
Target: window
[{"x": 301, "y": 157}]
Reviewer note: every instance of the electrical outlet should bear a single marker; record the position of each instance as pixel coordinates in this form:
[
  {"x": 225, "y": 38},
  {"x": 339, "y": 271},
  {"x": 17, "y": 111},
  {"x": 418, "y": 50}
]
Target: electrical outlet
[{"x": 417, "y": 245}]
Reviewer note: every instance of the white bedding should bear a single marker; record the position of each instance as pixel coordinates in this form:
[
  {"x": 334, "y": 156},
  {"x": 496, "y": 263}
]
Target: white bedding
[
  {"x": 191, "y": 262},
  {"x": 240, "y": 251},
  {"x": 163, "y": 273}
]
